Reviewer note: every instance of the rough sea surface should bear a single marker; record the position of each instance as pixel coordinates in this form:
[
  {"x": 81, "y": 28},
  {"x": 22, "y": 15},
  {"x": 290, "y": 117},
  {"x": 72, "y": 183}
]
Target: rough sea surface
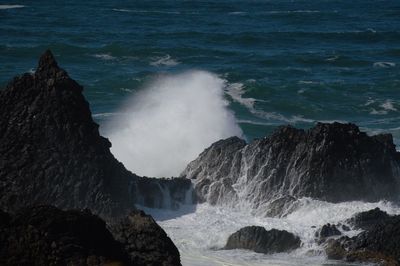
[{"x": 145, "y": 66}]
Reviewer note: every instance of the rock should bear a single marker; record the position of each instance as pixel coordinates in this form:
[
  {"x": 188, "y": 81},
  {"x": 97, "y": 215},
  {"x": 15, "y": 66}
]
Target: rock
[
  {"x": 332, "y": 162},
  {"x": 380, "y": 243},
  {"x": 51, "y": 151},
  {"x": 45, "y": 235},
  {"x": 281, "y": 207},
  {"x": 258, "y": 239},
  {"x": 368, "y": 219},
  {"x": 145, "y": 241},
  {"x": 325, "y": 232}
]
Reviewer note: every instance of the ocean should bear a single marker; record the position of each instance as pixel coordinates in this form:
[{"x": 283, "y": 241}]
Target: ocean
[{"x": 165, "y": 79}]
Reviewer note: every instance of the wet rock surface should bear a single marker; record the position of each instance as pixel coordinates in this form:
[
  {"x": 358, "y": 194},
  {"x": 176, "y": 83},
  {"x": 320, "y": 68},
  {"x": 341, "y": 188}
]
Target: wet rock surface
[
  {"x": 327, "y": 230},
  {"x": 257, "y": 239},
  {"x": 51, "y": 151},
  {"x": 379, "y": 243},
  {"x": 368, "y": 219},
  {"x": 333, "y": 162}
]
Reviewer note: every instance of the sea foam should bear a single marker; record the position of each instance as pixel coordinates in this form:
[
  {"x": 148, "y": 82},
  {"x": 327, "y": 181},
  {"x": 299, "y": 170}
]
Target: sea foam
[{"x": 170, "y": 121}]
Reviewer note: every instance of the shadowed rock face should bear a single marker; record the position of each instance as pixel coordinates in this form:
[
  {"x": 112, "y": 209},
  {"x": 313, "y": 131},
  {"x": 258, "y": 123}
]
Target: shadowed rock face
[
  {"x": 45, "y": 235},
  {"x": 334, "y": 162},
  {"x": 258, "y": 239},
  {"x": 51, "y": 151},
  {"x": 145, "y": 242}
]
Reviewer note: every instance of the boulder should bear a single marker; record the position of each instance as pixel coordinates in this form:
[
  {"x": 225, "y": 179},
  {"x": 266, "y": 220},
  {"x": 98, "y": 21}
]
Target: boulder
[
  {"x": 332, "y": 162},
  {"x": 257, "y": 239},
  {"x": 145, "y": 241}
]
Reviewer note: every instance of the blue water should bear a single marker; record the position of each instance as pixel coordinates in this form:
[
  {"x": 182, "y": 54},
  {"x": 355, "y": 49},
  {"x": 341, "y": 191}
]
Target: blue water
[{"x": 302, "y": 61}]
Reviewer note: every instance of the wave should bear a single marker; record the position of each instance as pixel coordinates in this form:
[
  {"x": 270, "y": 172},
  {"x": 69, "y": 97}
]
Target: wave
[
  {"x": 3, "y": 7},
  {"x": 384, "y": 64},
  {"x": 145, "y": 11},
  {"x": 170, "y": 121},
  {"x": 106, "y": 57},
  {"x": 166, "y": 60}
]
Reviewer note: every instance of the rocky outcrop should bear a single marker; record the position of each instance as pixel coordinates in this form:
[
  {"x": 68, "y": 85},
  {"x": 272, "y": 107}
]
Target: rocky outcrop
[
  {"x": 45, "y": 235},
  {"x": 368, "y": 219},
  {"x": 51, "y": 151},
  {"x": 379, "y": 243},
  {"x": 257, "y": 239},
  {"x": 333, "y": 162},
  {"x": 145, "y": 241}
]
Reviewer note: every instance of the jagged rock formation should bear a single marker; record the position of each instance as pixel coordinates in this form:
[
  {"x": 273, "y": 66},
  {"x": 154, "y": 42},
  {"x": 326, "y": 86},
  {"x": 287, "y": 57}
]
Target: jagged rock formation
[
  {"x": 45, "y": 235},
  {"x": 258, "y": 239},
  {"x": 333, "y": 162},
  {"x": 51, "y": 151},
  {"x": 145, "y": 241},
  {"x": 380, "y": 243}
]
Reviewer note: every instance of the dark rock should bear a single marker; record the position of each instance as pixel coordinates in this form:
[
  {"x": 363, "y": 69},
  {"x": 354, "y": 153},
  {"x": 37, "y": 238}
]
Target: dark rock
[
  {"x": 328, "y": 230},
  {"x": 51, "y": 151},
  {"x": 380, "y": 243},
  {"x": 45, "y": 235},
  {"x": 368, "y": 219},
  {"x": 145, "y": 241},
  {"x": 333, "y": 162},
  {"x": 281, "y": 207},
  {"x": 258, "y": 239}
]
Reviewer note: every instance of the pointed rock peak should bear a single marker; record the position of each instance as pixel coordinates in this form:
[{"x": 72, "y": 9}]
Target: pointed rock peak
[{"x": 47, "y": 62}]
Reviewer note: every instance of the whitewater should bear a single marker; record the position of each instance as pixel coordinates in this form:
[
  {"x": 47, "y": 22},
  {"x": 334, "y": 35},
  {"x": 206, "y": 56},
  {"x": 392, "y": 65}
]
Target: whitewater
[
  {"x": 165, "y": 125},
  {"x": 201, "y": 231}
]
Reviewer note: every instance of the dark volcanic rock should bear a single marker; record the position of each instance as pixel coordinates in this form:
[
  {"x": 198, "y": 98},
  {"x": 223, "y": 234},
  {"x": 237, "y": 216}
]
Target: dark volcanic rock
[
  {"x": 334, "y": 162},
  {"x": 326, "y": 231},
  {"x": 258, "y": 239},
  {"x": 368, "y": 219},
  {"x": 379, "y": 243},
  {"x": 45, "y": 235},
  {"x": 145, "y": 241},
  {"x": 51, "y": 151}
]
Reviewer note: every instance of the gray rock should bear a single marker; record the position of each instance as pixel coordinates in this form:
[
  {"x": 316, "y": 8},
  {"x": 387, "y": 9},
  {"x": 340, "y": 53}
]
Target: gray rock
[
  {"x": 258, "y": 239},
  {"x": 333, "y": 162}
]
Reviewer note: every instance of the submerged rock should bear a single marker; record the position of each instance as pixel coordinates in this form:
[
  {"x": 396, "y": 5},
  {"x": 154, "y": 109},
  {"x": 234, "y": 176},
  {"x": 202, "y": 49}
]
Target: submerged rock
[
  {"x": 51, "y": 151},
  {"x": 145, "y": 241},
  {"x": 258, "y": 239},
  {"x": 333, "y": 162}
]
